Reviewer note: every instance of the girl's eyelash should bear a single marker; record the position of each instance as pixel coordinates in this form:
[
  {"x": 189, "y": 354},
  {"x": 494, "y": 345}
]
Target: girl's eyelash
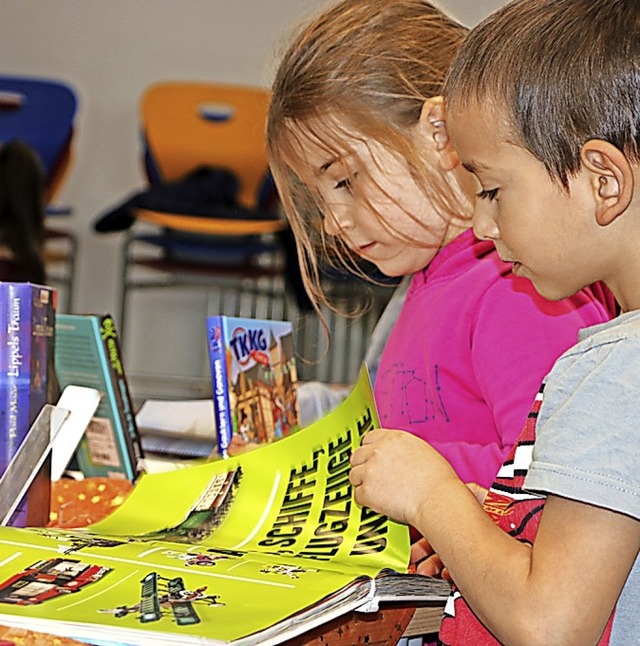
[
  {"x": 489, "y": 194},
  {"x": 343, "y": 183}
]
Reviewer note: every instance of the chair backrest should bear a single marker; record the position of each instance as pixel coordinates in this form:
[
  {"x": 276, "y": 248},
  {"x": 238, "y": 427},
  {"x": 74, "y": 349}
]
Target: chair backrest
[
  {"x": 186, "y": 125},
  {"x": 40, "y": 112}
]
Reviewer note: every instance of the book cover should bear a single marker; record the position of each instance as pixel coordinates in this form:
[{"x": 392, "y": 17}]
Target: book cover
[
  {"x": 27, "y": 316},
  {"x": 88, "y": 354},
  {"x": 255, "y": 549},
  {"x": 254, "y": 381}
]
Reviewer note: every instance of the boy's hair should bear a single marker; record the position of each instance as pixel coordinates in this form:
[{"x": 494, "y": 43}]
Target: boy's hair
[
  {"x": 562, "y": 72},
  {"x": 361, "y": 69}
]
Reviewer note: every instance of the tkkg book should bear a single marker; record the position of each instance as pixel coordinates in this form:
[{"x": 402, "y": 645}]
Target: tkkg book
[
  {"x": 255, "y": 549},
  {"x": 254, "y": 381}
]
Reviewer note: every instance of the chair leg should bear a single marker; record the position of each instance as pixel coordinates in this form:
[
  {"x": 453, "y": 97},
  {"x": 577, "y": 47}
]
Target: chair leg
[
  {"x": 124, "y": 285},
  {"x": 73, "y": 253}
]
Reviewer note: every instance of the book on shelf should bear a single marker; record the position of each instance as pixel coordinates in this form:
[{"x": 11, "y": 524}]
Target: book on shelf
[
  {"x": 87, "y": 353},
  {"x": 255, "y": 549},
  {"x": 254, "y": 381},
  {"x": 27, "y": 380}
]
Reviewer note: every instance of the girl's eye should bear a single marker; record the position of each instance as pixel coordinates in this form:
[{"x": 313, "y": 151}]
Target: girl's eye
[
  {"x": 343, "y": 183},
  {"x": 489, "y": 194}
]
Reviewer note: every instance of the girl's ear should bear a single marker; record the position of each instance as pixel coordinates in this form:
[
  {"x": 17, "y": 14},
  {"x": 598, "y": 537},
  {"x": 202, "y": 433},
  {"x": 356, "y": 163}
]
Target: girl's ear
[
  {"x": 611, "y": 178},
  {"x": 434, "y": 124}
]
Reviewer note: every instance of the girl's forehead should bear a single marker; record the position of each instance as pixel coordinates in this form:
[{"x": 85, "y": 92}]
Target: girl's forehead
[{"x": 315, "y": 144}]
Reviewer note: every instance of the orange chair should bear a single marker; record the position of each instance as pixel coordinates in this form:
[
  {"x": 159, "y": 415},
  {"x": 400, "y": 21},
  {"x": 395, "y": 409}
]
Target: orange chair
[{"x": 189, "y": 126}]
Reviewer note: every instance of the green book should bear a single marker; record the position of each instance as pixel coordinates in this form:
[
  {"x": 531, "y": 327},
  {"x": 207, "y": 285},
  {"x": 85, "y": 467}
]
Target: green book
[{"x": 87, "y": 353}]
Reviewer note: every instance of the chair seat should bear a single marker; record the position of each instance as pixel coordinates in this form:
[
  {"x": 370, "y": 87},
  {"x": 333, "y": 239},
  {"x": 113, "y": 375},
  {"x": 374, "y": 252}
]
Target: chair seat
[{"x": 211, "y": 226}]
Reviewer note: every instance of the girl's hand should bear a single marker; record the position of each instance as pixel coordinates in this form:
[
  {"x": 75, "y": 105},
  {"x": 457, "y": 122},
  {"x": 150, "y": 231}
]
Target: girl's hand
[{"x": 397, "y": 474}]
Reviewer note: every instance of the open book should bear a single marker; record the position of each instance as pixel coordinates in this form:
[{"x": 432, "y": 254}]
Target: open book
[{"x": 254, "y": 549}]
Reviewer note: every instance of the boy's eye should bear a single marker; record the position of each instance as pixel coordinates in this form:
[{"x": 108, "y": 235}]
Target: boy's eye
[{"x": 489, "y": 194}]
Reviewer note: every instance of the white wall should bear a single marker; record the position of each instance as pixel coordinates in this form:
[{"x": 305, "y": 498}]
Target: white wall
[{"x": 110, "y": 51}]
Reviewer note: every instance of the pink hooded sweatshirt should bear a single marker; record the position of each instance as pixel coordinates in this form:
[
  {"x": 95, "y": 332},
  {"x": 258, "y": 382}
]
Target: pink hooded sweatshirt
[{"x": 469, "y": 351}]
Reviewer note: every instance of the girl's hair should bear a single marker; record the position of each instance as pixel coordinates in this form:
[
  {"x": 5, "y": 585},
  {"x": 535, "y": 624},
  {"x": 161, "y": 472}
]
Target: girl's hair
[
  {"x": 560, "y": 71},
  {"x": 360, "y": 71}
]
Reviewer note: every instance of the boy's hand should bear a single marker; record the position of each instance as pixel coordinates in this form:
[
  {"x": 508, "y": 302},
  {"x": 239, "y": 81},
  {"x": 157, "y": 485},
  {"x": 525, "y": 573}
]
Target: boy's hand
[
  {"x": 396, "y": 474},
  {"x": 425, "y": 561}
]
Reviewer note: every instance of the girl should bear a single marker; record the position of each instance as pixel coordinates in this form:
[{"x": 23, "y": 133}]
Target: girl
[{"x": 362, "y": 159}]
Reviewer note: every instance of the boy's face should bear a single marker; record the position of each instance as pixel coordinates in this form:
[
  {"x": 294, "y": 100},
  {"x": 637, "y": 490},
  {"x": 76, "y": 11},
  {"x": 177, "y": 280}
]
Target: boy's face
[{"x": 545, "y": 231}]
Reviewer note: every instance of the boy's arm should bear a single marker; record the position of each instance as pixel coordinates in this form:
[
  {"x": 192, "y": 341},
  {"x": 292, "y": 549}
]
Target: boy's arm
[{"x": 562, "y": 591}]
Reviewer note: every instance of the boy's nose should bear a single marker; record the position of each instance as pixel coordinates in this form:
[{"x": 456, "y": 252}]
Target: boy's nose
[{"x": 484, "y": 225}]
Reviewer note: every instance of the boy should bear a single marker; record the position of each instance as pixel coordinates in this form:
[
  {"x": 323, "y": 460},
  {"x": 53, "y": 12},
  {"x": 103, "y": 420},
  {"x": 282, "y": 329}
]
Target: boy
[{"x": 544, "y": 110}]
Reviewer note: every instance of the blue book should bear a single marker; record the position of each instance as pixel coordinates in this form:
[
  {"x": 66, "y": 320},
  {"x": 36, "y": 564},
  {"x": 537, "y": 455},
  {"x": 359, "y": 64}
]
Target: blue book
[
  {"x": 27, "y": 328},
  {"x": 88, "y": 354},
  {"x": 254, "y": 381}
]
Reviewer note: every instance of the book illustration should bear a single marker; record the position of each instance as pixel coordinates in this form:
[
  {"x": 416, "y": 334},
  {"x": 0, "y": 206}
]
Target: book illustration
[
  {"x": 209, "y": 511},
  {"x": 88, "y": 354},
  {"x": 160, "y": 597},
  {"x": 70, "y": 542},
  {"x": 254, "y": 549},
  {"x": 291, "y": 571},
  {"x": 47, "y": 579},
  {"x": 254, "y": 381},
  {"x": 208, "y": 558}
]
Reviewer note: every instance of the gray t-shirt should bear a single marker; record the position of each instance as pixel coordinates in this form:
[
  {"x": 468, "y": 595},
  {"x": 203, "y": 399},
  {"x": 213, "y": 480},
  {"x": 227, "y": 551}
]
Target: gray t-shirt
[{"x": 588, "y": 437}]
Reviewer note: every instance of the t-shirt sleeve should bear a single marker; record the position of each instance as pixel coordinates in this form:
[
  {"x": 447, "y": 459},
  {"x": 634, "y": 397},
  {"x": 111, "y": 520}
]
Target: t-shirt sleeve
[
  {"x": 517, "y": 336},
  {"x": 589, "y": 429}
]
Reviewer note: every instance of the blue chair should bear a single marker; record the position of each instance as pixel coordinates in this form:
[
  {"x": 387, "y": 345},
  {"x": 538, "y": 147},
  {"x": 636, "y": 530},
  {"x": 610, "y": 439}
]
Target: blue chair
[{"x": 41, "y": 113}]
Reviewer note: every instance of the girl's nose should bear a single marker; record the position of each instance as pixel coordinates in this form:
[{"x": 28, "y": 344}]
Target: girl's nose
[
  {"x": 338, "y": 220},
  {"x": 484, "y": 224}
]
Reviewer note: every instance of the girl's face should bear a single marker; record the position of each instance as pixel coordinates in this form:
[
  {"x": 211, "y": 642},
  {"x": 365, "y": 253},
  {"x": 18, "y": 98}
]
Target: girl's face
[{"x": 370, "y": 200}]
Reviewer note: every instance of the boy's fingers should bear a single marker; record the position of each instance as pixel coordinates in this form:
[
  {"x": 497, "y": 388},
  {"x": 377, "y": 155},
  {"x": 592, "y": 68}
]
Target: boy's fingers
[
  {"x": 431, "y": 566},
  {"x": 355, "y": 476},
  {"x": 359, "y": 456},
  {"x": 420, "y": 550},
  {"x": 372, "y": 436}
]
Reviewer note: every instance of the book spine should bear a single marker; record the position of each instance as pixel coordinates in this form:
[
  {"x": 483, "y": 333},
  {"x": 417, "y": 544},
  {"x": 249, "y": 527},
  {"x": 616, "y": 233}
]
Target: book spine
[
  {"x": 41, "y": 346},
  {"x": 18, "y": 364},
  {"x": 6, "y": 440},
  {"x": 217, "y": 344},
  {"x": 128, "y": 436},
  {"x": 40, "y": 302},
  {"x": 27, "y": 327}
]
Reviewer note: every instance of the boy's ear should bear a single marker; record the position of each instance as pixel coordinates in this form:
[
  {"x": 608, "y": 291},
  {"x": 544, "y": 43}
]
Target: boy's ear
[
  {"x": 434, "y": 124},
  {"x": 611, "y": 176}
]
